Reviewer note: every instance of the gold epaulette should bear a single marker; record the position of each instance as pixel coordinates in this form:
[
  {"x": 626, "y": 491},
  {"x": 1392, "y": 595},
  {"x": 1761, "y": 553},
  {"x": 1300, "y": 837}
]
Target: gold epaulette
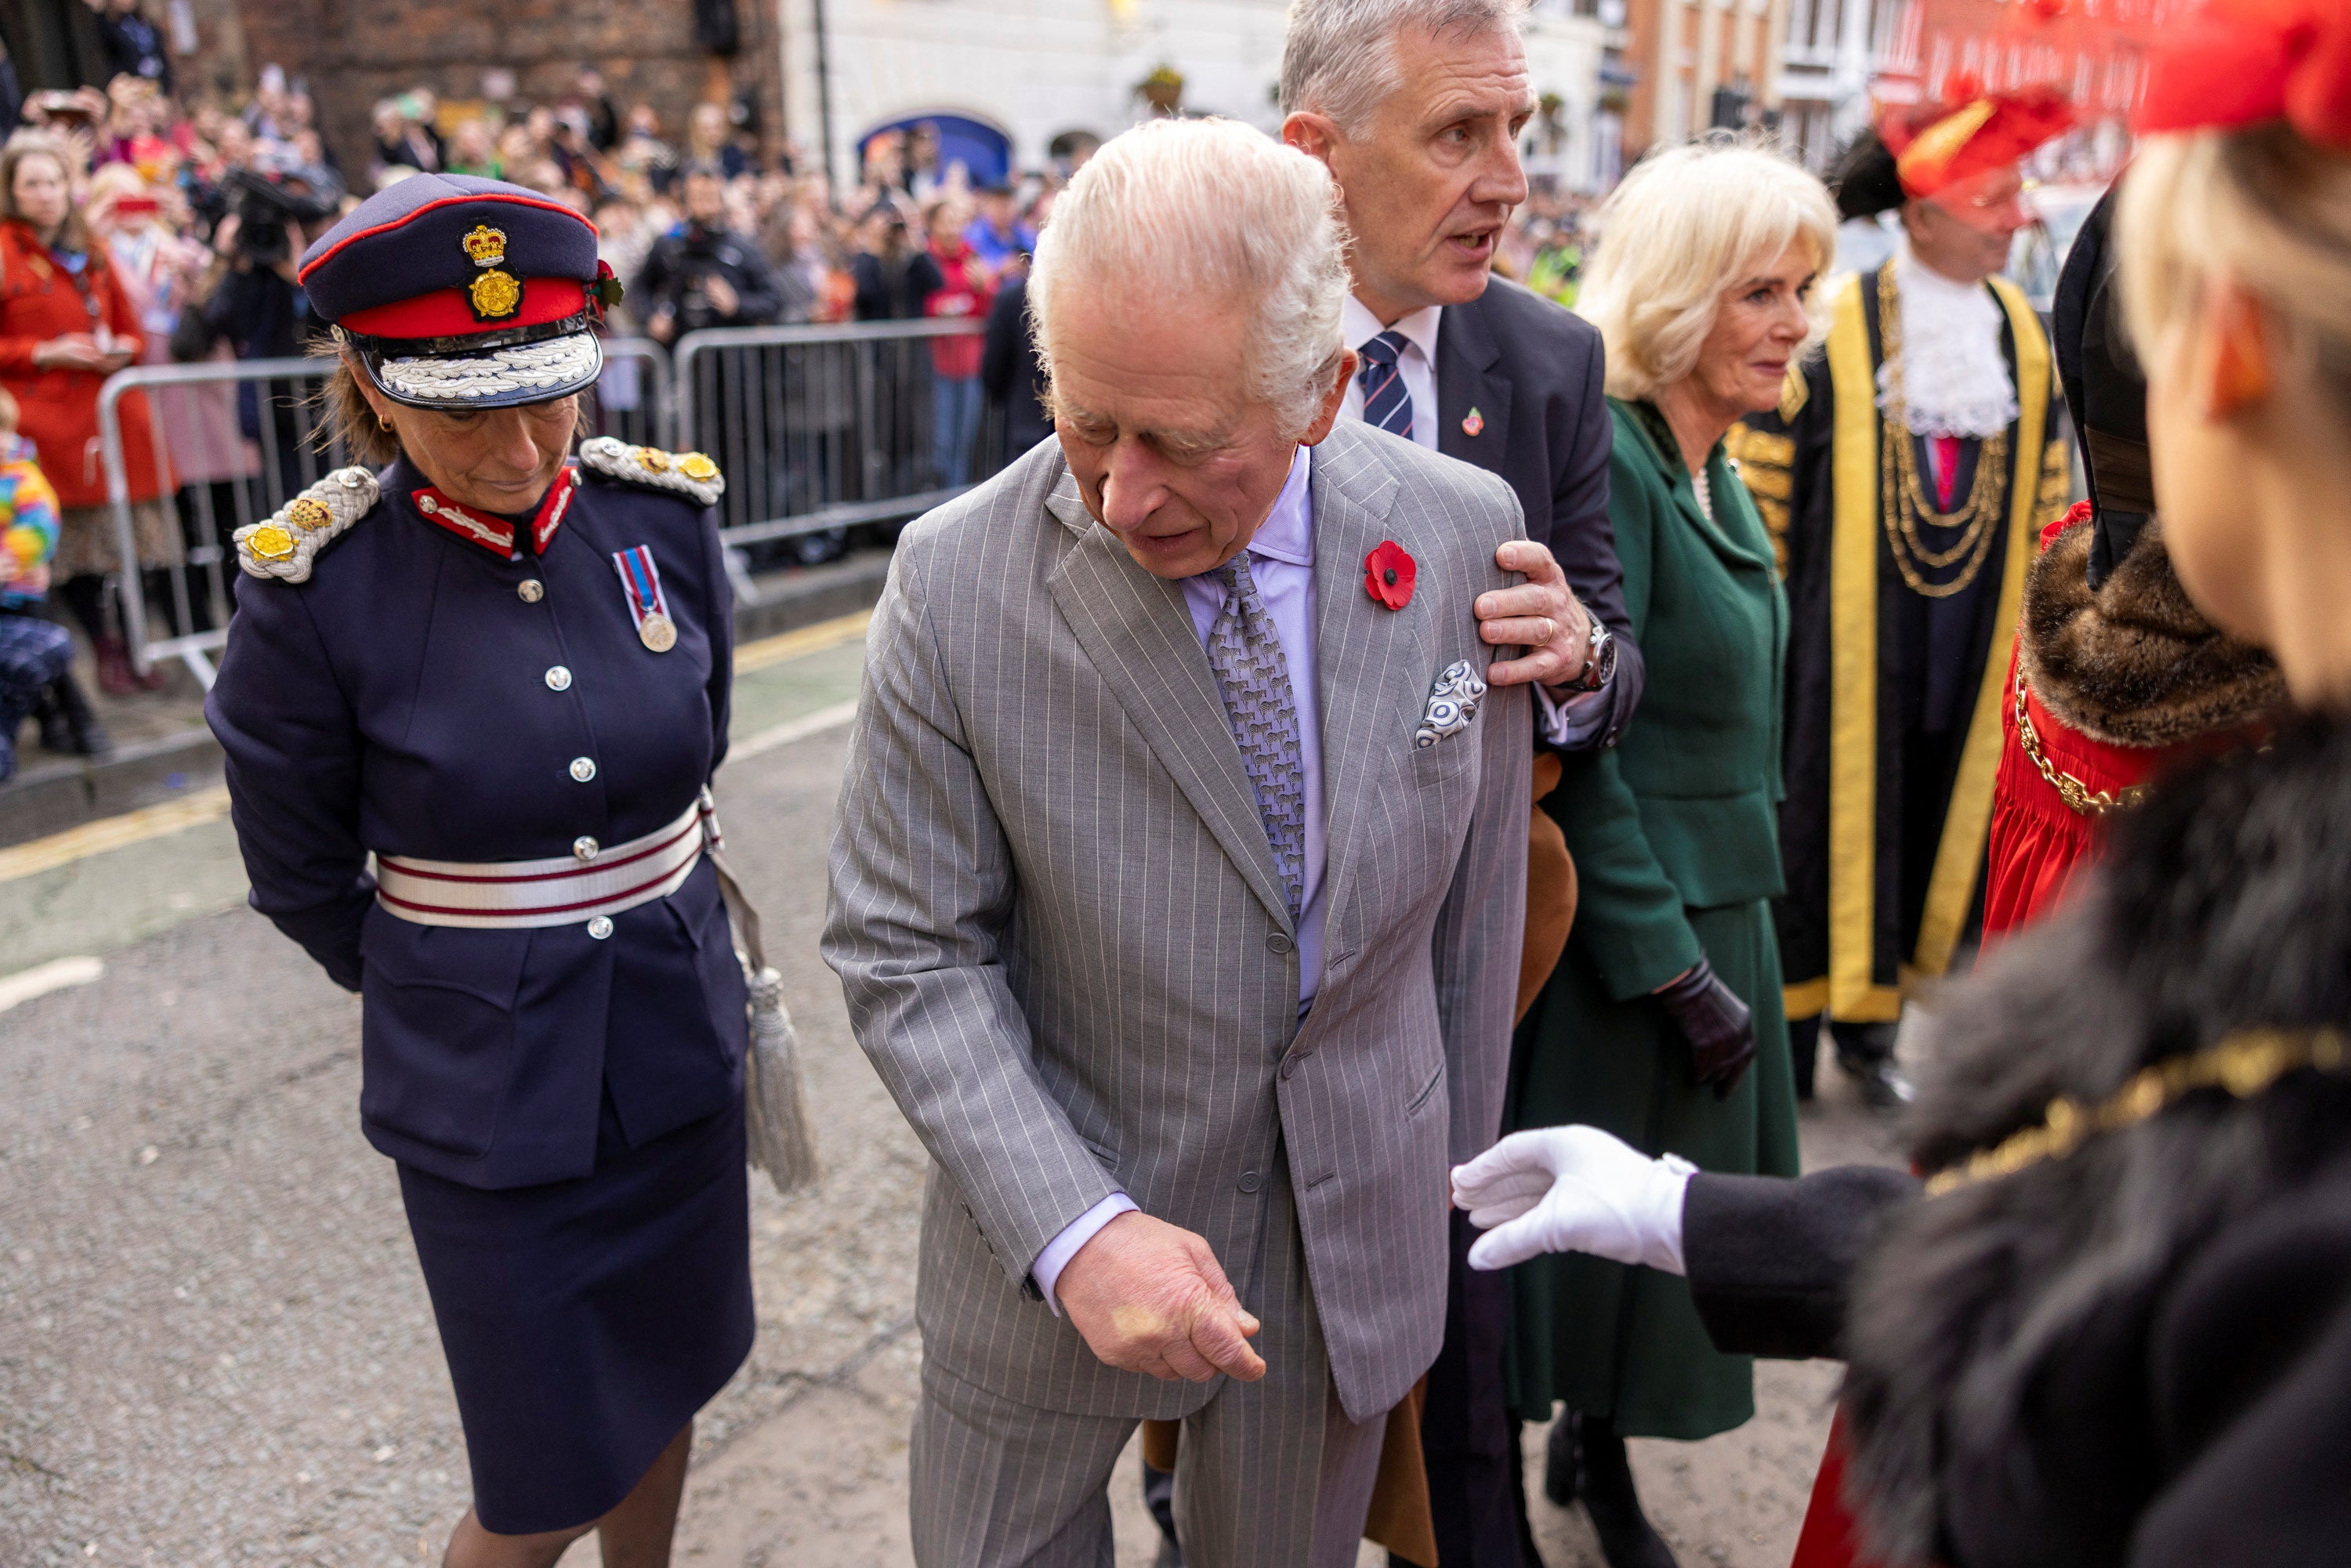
[
  {"x": 689, "y": 473},
  {"x": 283, "y": 545}
]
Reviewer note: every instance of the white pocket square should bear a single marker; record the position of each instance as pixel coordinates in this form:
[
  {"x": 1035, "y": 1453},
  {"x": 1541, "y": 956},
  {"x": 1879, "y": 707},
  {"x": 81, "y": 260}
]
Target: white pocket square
[{"x": 1452, "y": 703}]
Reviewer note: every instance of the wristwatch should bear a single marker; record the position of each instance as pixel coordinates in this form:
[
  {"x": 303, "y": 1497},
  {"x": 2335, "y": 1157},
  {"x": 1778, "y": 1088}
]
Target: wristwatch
[{"x": 1599, "y": 660}]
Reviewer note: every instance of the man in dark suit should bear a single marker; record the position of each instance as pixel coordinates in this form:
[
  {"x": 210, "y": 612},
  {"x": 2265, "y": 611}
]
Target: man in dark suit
[{"x": 1417, "y": 107}]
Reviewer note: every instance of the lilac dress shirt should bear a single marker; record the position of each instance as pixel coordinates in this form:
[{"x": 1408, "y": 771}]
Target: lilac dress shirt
[{"x": 1282, "y": 562}]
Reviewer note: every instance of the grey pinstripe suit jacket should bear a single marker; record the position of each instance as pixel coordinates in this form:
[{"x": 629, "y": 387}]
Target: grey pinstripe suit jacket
[{"x": 1065, "y": 944}]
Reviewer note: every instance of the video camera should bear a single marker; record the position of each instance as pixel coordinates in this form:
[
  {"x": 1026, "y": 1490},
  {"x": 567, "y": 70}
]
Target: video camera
[{"x": 267, "y": 202}]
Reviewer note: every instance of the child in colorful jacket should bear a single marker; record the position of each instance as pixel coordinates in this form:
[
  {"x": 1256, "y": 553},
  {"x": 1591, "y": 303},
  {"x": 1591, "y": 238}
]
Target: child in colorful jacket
[{"x": 33, "y": 649}]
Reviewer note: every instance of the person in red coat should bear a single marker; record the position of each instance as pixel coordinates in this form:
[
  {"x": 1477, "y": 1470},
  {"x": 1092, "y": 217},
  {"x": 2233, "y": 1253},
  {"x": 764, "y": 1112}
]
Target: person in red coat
[{"x": 66, "y": 325}]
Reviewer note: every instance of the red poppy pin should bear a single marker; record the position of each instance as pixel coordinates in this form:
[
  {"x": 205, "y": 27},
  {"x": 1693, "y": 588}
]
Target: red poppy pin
[{"x": 1388, "y": 572}]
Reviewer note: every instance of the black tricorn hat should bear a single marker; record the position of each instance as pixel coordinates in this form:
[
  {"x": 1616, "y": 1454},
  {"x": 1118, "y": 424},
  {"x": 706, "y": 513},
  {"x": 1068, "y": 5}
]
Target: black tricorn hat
[
  {"x": 2104, "y": 391},
  {"x": 1865, "y": 180}
]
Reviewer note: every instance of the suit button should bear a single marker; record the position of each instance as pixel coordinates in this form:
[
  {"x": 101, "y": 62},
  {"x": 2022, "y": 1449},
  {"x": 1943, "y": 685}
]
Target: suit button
[
  {"x": 600, "y": 927},
  {"x": 1279, "y": 944},
  {"x": 583, "y": 769},
  {"x": 558, "y": 679},
  {"x": 530, "y": 590},
  {"x": 1289, "y": 1067},
  {"x": 1250, "y": 1181},
  {"x": 584, "y": 848}
]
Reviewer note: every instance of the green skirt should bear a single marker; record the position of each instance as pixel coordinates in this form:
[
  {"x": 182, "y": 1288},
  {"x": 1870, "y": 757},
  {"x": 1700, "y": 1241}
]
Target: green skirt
[{"x": 1620, "y": 1341}]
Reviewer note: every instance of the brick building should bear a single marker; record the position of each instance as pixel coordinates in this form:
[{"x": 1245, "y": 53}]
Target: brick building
[{"x": 1698, "y": 65}]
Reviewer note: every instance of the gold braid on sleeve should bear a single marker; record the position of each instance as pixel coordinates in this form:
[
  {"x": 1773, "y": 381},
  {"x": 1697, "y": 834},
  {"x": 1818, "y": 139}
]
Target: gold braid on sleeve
[{"x": 1766, "y": 465}]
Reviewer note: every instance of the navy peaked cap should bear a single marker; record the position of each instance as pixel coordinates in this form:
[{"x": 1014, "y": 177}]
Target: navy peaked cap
[{"x": 410, "y": 240}]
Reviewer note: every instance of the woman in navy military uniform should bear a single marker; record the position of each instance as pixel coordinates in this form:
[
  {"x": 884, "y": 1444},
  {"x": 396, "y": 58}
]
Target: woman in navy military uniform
[{"x": 505, "y": 675}]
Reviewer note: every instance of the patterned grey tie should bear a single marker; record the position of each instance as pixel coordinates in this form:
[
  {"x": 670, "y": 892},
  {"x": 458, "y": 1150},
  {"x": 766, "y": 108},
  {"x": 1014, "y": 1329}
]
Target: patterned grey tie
[{"x": 1254, "y": 678}]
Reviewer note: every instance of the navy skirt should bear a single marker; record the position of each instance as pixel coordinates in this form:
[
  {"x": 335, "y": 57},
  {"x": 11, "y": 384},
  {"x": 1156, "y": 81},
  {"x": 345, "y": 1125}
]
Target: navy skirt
[{"x": 586, "y": 1321}]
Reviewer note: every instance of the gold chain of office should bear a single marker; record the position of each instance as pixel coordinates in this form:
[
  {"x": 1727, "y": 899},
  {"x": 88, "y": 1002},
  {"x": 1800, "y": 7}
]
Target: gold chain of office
[
  {"x": 1902, "y": 502},
  {"x": 2245, "y": 1064},
  {"x": 2076, "y": 795}
]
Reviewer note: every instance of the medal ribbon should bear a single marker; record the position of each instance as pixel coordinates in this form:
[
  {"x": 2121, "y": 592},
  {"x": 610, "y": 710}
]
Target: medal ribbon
[{"x": 641, "y": 581}]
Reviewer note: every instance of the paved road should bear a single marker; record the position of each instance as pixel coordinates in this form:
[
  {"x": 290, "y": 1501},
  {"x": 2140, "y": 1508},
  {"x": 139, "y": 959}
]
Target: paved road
[{"x": 215, "y": 1348}]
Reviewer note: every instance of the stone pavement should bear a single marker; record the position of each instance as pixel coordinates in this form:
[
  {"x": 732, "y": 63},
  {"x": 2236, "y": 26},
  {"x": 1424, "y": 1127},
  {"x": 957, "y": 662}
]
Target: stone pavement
[{"x": 215, "y": 1348}]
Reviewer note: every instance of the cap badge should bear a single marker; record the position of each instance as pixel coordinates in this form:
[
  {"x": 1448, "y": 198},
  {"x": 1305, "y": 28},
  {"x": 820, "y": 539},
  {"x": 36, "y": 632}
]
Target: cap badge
[
  {"x": 486, "y": 245},
  {"x": 493, "y": 294}
]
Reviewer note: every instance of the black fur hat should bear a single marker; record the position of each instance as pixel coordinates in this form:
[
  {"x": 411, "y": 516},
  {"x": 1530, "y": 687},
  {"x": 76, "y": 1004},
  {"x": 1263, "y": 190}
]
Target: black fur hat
[{"x": 1864, "y": 179}]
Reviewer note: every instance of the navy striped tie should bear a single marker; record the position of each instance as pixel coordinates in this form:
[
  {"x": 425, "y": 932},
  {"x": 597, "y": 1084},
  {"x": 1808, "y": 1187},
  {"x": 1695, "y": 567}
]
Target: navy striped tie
[{"x": 1387, "y": 402}]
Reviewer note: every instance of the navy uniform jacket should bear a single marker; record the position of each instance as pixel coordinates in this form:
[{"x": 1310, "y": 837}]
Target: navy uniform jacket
[{"x": 399, "y": 702}]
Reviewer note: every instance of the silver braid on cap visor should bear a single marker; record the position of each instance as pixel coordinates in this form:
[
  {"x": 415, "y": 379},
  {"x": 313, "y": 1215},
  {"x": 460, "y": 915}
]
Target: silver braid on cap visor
[{"x": 554, "y": 362}]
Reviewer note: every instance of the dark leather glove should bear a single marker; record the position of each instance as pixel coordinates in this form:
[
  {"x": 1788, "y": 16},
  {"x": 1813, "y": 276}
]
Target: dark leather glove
[{"x": 1719, "y": 1027}]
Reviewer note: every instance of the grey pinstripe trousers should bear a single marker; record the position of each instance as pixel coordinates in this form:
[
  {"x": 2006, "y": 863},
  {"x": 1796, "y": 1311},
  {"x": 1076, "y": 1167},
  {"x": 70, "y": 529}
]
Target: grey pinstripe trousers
[{"x": 1270, "y": 1474}]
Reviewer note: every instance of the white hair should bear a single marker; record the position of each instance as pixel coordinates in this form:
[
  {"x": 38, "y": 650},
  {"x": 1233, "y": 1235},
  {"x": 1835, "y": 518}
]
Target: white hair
[
  {"x": 1683, "y": 226},
  {"x": 1181, "y": 210},
  {"x": 1339, "y": 56}
]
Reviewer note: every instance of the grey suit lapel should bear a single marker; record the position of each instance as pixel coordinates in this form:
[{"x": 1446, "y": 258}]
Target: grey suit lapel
[
  {"x": 1138, "y": 633},
  {"x": 1369, "y": 683},
  {"x": 1466, "y": 354}
]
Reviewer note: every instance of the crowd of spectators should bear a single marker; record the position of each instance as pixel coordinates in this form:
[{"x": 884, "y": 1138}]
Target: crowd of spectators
[{"x": 194, "y": 213}]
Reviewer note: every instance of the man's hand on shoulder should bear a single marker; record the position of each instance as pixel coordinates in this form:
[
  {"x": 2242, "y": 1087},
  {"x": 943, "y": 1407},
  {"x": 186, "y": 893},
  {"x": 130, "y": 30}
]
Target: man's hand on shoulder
[
  {"x": 1540, "y": 615},
  {"x": 1150, "y": 1297}
]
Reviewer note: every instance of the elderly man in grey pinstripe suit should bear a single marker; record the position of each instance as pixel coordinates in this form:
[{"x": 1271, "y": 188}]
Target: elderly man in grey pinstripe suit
[{"x": 1179, "y": 879}]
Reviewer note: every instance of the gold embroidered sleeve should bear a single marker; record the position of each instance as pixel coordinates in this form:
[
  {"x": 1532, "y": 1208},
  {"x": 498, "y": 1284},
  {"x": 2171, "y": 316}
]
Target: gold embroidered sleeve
[
  {"x": 2057, "y": 481},
  {"x": 1766, "y": 464}
]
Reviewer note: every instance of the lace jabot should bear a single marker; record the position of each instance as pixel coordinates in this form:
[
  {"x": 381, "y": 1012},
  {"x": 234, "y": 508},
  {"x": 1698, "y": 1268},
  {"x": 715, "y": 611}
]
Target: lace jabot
[{"x": 1951, "y": 379}]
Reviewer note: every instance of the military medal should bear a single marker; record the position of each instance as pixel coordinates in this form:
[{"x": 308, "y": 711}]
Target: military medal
[{"x": 640, "y": 586}]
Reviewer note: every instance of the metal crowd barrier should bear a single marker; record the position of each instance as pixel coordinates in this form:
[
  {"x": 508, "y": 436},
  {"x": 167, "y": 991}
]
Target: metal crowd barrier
[
  {"x": 820, "y": 429},
  {"x": 243, "y": 437}
]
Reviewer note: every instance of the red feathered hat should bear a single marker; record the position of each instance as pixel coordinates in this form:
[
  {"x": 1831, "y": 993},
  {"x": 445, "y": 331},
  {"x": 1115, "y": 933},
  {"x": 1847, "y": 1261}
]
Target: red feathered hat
[
  {"x": 1936, "y": 146},
  {"x": 2242, "y": 62}
]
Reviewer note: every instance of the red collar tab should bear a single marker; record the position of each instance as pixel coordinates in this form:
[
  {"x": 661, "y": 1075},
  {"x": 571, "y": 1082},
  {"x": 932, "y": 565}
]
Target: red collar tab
[{"x": 493, "y": 533}]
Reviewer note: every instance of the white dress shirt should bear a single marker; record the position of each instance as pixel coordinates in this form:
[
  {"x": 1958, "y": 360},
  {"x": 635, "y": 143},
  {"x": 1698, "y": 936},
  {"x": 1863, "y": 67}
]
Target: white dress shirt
[
  {"x": 1282, "y": 564},
  {"x": 1416, "y": 362}
]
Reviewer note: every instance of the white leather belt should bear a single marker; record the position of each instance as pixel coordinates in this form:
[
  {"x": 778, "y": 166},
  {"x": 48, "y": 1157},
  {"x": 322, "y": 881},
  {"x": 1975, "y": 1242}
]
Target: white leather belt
[{"x": 563, "y": 890}]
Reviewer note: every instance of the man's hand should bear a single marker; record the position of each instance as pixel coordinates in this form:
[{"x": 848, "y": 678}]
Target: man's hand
[
  {"x": 1150, "y": 1297},
  {"x": 663, "y": 327},
  {"x": 721, "y": 295},
  {"x": 1540, "y": 615}
]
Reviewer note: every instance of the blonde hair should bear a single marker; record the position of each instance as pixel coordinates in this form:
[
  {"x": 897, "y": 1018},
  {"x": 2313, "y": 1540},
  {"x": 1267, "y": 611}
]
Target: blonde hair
[
  {"x": 1214, "y": 208},
  {"x": 1682, "y": 227},
  {"x": 2263, "y": 205}
]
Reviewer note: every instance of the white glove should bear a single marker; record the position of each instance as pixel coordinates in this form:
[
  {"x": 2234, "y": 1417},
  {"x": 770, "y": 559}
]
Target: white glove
[{"x": 1574, "y": 1189}]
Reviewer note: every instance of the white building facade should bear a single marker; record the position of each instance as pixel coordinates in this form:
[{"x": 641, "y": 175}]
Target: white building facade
[{"x": 1039, "y": 71}]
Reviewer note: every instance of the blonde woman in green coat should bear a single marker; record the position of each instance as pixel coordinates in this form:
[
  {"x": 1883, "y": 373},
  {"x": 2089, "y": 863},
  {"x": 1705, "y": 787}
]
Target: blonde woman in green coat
[{"x": 1663, "y": 1022}]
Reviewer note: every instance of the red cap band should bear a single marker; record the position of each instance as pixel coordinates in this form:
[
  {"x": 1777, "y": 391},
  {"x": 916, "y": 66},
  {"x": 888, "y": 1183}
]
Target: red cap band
[{"x": 449, "y": 312}]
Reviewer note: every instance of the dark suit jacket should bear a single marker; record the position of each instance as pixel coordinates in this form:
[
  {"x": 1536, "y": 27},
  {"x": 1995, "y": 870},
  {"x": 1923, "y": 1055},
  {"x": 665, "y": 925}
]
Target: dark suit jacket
[
  {"x": 398, "y": 702},
  {"x": 1531, "y": 373}
]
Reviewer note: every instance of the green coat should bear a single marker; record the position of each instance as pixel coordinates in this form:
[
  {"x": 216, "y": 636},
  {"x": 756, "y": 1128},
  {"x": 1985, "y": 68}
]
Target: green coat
[{"x": 1675, "y": 841}]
